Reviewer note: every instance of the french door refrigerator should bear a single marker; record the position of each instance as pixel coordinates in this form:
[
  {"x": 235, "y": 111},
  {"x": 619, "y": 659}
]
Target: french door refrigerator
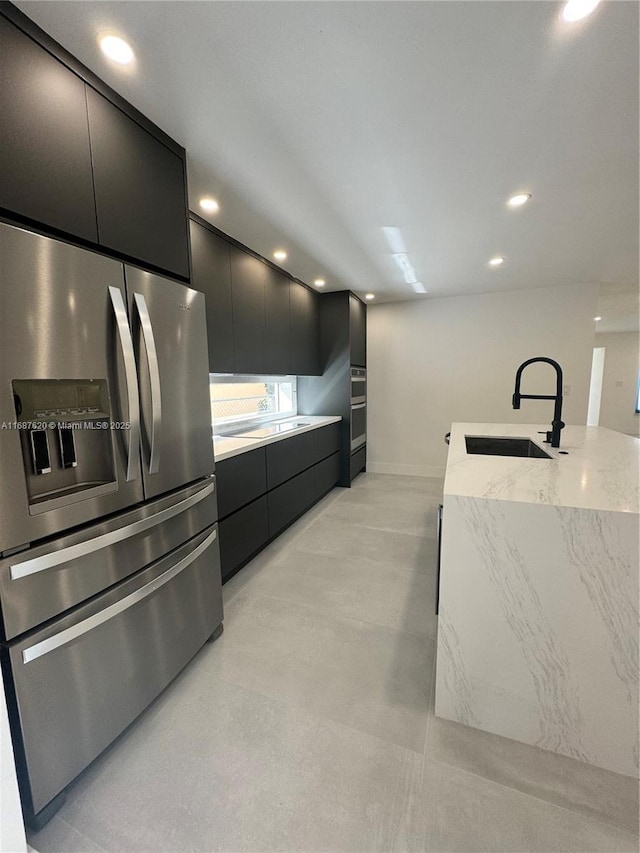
[{"x": 109, "y": 561}]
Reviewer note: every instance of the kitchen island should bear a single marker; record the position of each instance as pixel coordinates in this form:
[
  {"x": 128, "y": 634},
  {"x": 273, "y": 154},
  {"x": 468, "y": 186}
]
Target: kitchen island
[{"x": 538, "y": 621}]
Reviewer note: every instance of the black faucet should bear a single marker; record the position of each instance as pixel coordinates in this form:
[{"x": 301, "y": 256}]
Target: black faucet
[{"x": 553, "y": 435}]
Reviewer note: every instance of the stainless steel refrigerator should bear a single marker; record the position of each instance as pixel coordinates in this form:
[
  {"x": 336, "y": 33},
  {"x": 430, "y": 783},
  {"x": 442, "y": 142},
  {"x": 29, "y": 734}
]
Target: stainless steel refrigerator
[{"x": 109, "y": 561}]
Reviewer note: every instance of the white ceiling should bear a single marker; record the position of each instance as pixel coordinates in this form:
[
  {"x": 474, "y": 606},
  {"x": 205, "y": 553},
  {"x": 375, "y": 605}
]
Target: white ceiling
[{"x": 318, "y": 124}]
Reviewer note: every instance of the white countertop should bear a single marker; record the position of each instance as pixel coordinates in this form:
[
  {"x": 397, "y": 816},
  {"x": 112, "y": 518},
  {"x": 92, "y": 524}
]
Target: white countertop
[
  {"x": 225, "y": 447},
  {"x": 601, "y": 470}
]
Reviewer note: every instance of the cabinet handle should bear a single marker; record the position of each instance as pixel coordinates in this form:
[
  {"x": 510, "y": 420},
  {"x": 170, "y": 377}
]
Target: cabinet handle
[
  {"x": 75, "y": 631},
  {"x": 133, "y": 399}
]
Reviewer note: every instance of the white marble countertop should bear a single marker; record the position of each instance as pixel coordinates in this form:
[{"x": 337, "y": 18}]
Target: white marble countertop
[
  {"x": 225, "y": 447},
  {"x": 601, "y": 470}
]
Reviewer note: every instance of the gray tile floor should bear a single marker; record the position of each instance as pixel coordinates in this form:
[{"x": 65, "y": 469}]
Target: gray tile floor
[{"x": 309, "y": 726}]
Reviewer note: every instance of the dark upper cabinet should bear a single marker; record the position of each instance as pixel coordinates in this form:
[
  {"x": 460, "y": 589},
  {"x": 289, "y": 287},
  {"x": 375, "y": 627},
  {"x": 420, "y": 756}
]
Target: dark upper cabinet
[
  {"x": 277, "y": 359},
  {"x": 248, "y": 275},
  {"x": 45, "y": 167},
  {"x": 305, "y": 331},
  {"x": 211, "y": 274},
  {"x": 139, "y": 188},
  {"x": 358, "y": 331}
]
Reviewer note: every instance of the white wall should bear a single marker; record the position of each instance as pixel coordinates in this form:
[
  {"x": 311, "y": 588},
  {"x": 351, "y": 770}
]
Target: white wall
[
  {"x": 12, "y": 837},
  {"x": 621, "y": 365},
  {"x": 435, "y": 361}
]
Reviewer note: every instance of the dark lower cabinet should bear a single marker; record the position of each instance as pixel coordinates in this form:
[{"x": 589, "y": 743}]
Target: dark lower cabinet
[
  {"x": 140, "y": 190},
  {"x": 303, "y": 469},
  {"x": 287, "y": 458},
  {"x": 240, "y": 480},
  {"x": 358, "y": 461},
  {"x": 45, "y": 166},
  {"x": 242, "y": 535},
  {"x": 211, "y": 275},
  {"x": 327, "y": 474},
  {"x": 326, "y": 440},
  {"x": 290, "y": 500}
]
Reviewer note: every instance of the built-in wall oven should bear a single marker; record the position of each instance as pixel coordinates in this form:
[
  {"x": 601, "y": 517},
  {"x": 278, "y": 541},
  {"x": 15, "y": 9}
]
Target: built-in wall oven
[{"x": 358, "y": 408}]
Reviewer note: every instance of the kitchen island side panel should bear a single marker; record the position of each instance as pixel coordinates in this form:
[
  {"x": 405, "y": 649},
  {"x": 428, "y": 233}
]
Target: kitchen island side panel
[{"x": 538, "y": 627}]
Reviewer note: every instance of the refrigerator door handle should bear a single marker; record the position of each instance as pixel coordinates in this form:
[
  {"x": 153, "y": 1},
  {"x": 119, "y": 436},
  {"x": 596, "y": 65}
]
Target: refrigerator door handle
[
  {"x": 105, "y": 540},
  {"x": 133, "y": 399},
  {"x": 154, "y": 379},
  {"x": 69, "y": 634}
]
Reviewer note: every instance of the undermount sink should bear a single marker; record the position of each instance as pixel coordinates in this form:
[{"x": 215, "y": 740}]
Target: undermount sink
[{"x": 489, "y": 445}]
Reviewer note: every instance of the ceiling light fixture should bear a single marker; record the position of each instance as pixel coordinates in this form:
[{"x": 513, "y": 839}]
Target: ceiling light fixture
[
  {"x": 370, "y": 296},
  {"x": 319, "y": 282},
  {"x": 495, "y": 262},
  {"x": 280, "y": 255},
  {"x": 519, "y": 199},
  {"x": 209, "y": 204},
  {"x": 117, "y": 49},
  {"x": 597, "y": 319},
  {"x": 575, "y": 10}
]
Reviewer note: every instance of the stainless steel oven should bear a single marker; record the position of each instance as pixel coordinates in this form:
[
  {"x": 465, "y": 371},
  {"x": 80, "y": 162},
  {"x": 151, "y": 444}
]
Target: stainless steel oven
[
  {"x": 358, "y": 426},
  {"x": 358, "y": 385}
]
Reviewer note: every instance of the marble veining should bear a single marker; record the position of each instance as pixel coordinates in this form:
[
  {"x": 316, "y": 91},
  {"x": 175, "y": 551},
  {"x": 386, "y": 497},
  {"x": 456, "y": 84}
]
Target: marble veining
[{"x": 538, "y": 627}]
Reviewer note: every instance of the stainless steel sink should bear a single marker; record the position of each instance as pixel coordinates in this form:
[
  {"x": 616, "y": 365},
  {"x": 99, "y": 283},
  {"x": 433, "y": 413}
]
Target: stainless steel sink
[{"x": 489, "y": 445}]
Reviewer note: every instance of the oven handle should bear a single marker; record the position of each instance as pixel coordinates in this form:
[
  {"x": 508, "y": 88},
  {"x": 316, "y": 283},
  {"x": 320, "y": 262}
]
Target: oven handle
[
  {"x": 131, "y": 377},
  {"x": 70, "y": 634},
  {"x": 359, "y": 406},
  {"x": 89, "y": 546}
]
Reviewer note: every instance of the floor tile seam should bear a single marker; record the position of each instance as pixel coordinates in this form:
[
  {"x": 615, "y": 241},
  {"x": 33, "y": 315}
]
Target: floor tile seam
[
  {"x": 385, "y": 529},
  {"x": 586, "y": 817},
  {"x": 81, "y": 832},
  {"x": 315, "y": 714},
  {"x": 259, "y": 594},
  {"x": 368, "y": 561}
]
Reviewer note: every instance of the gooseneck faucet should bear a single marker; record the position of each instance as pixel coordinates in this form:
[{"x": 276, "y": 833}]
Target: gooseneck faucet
[{"x": 553, "y": 435}]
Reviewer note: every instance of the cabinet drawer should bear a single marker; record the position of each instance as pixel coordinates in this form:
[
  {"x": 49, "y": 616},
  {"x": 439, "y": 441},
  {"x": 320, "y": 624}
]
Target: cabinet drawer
[
  {"x": 241, "y": 535},
  {"x": 327, "y": 441},
  {"x": 240, "y": 480},
  {"x": 358, "y": 461},
  {"x": 290, "y": 500},
  {"x": 289, "y": 457},
  {"x": 327, "y": 474}
]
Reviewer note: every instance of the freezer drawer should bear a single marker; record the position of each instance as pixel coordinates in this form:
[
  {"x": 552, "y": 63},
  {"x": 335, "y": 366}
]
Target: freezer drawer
[
  {"x": 83, "y": 679},
  {"x": 43, "y": 582}
]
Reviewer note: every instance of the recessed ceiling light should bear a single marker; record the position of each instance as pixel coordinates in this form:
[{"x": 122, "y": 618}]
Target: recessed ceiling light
[
  {"x": 519, "y": 199},
  {"x": 370, "y": 296},
  {"x": 319, "y": 282},
  {"x": 209, "y": 204},
  {"x": 116, "y": 48},
  {"x": 575, "y": 10},
  {"x": 597, "y": 319},
  {"x": 280, "y": 255},
  {"x": 495, "y": 262}
]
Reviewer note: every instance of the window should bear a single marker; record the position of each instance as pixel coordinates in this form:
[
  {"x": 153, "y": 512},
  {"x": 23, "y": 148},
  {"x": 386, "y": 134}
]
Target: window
[{"x": 246, "y": 400}]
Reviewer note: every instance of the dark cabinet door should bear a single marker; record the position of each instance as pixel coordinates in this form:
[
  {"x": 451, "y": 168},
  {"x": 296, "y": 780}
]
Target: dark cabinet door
[
  {"x": 241, "y": 535},
  {"x": 287, "y": 458},
  {"x": 305, "y": 331},
  {"x": 211, "y": 274},
  {"x": 327, "y": 474},
  {"x": 327, "y": 440},
  {"x": 277, "y": 339},
  {"x": 248, "y": 276},
  {"x": 290, "y": 500},
  {"x": 45, "y": 162},
  {"x": 240, "y": 480},
  {"x": 140, "y": 190},
  {"x": 358, "y": 331}
]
